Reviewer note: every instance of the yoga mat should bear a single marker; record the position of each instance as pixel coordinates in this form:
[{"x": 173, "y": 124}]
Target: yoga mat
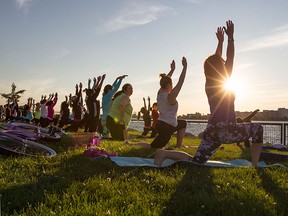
[
  {"x": 273, "y": 156},
  {"x": 149, "y": 162},
  {"x": 279, "y": 147}
]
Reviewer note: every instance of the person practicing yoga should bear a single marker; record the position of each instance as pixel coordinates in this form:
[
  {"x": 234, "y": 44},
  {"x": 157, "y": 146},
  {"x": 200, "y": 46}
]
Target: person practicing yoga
[
  {"x": 120, "y": 113},
  {"x": 155, "y": 116},
  {"x": 108, "y": 92},
  {"x": 167, "y": 122},
  {"x": 145, "y": 111},
  {"x": 222, "y": 126}
]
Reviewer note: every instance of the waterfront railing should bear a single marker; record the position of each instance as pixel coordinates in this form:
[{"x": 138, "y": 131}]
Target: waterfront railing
[{"x": 273, "y": 132}]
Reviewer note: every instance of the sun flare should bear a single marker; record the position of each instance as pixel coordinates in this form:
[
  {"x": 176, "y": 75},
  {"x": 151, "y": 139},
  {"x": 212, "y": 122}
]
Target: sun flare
[{"x": 232, "y": 85}]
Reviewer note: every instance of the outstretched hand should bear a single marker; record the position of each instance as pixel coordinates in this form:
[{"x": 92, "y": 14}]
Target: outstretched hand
[
  {"x": 229, "y": 29},
  {"x": 220, "y": 34},
  {"x": 184, "y": 62},
  {"x": 172, "y": 65}
]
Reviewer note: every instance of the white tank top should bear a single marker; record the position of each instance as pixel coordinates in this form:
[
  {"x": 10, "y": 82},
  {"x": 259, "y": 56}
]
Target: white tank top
[{"x": 168, "y": 113}]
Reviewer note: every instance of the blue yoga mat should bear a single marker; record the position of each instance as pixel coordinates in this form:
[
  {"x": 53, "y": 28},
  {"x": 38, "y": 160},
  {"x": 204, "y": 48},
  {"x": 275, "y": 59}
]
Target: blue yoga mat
[{"x": 149, "y": 162}]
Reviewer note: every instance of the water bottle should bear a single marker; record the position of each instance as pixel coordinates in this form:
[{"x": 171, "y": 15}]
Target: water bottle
[{"x": 96, "y": 139}]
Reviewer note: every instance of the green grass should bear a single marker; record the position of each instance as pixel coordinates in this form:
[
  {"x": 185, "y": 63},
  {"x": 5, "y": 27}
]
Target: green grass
[{"x": 73, "y": 184}]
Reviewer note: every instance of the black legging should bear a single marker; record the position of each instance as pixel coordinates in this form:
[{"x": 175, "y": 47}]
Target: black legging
[{"x": 116, "y": 130}]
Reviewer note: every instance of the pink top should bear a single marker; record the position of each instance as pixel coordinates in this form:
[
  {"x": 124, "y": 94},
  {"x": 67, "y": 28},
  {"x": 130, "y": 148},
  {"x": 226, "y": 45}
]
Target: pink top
[{"x": 50, "y": 109}]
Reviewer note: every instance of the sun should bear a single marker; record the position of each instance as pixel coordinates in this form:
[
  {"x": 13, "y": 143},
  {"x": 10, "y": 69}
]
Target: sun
[{"x": 233, "y": 85}]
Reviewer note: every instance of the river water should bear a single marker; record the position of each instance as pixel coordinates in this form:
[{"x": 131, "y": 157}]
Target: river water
[{"x": 272, "y": 130}]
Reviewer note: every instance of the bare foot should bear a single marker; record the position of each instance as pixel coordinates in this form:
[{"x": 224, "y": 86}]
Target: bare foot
[{"x": 159, "y": 157}]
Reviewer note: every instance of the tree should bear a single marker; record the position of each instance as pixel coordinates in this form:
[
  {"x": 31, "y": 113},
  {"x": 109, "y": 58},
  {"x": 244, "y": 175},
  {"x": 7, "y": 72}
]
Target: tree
[{"x": 13, "y": 93}]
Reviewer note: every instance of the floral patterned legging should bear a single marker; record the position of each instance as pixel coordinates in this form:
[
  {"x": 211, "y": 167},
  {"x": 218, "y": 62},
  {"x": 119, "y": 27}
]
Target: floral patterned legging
[{"x": 222, "y": 132}]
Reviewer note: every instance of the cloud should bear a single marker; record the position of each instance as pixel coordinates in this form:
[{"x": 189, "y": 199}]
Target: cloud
[
  {"x": 134, "y": 15},
  {"x": 194, "y": 1},
  {"x": 22, "y": 3},
  {"x": 279, "y": 37}
]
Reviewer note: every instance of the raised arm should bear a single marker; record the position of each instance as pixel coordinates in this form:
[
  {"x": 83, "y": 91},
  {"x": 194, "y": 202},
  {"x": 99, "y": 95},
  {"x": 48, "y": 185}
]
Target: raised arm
[
  {"x": 144, "y": 102},
  {"x": 99, "y": 85},
  {"x": 149, "y": 104},
  {"x": 70, "y": 100},
  {"x": 220, "y": 37},
  {"x": 229, "y": 30},
  {"x": 89, "y": 83},
  {"x": 96, "y": 82},
  {"x": 175, "y": 91},
  {"x": 117, "y": 83},
  {"x": 172, "y": 69},
  {"x": 79, "y": 93},
  {"x": 76, "y": 89},
  {"x": 55, "y": 99}
]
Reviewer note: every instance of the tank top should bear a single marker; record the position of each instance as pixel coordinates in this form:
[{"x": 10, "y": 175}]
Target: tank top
[
  {"x": 222, "y": 108},
  {"x": 167, "y": 112},
  {"x": 37, "y": 114},
  {"x": 114, "y": 110}
]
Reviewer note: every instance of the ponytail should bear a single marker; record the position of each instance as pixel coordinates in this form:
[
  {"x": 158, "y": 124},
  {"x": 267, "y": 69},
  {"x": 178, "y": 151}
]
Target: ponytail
[{"x": 165, "y": 80}]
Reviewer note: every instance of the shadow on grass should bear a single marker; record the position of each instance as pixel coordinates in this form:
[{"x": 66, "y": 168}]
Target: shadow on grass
[
  {"x": 68, "y": 170},
  {"x": 64, "y": 170},
  {"x": 198, "y": 194},
  {"x": 273, "y": 189},
  {"x": 189, "y": 191}
]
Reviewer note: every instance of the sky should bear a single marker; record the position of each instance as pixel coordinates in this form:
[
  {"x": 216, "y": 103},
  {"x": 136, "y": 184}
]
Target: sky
[{"x": 49, "y": 46}]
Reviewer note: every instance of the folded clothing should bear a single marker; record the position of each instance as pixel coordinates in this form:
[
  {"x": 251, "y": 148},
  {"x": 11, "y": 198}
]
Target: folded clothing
[{"x": 96, "y": 152}]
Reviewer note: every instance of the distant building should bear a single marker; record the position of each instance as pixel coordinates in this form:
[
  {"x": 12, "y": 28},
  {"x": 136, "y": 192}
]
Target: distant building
[
  {"x": 282, "y": 112},
  {"x": 266, "y": 115}
]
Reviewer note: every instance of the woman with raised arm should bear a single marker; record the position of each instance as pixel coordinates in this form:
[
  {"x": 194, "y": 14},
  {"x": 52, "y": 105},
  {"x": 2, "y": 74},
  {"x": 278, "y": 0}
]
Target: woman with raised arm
[
  {"x": 50, "y": 113},
  {"x": 75, "y": 103},
  {"x": 64, "y": 113},
  {"x": 167, "y": 122},
  {"x": 119, "y": 116},
  {"x": 222, "y": 126},
  {"x": 145, "y": 111},
  {"x": 93, "y": 105},
  {"x": 155, "y": 116},
  {"x": 108, "y": 92}
]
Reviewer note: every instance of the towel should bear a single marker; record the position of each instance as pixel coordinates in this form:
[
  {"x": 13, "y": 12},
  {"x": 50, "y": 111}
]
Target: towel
[{"x": 149, "y": 162}]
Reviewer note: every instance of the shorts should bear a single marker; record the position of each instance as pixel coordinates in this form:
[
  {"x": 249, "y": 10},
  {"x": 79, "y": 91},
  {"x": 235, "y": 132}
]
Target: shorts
[{"x": 165, "y": 131}]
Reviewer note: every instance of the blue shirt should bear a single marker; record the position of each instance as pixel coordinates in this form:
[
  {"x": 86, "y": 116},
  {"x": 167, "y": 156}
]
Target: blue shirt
[{"x": 106, "y": 99}]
